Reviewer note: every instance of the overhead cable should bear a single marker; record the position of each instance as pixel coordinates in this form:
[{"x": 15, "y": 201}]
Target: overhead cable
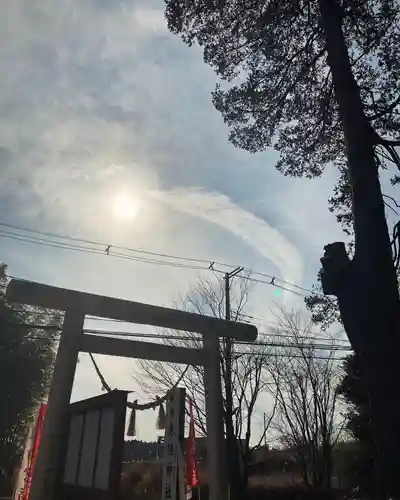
[{"x": 100, "y": 248}]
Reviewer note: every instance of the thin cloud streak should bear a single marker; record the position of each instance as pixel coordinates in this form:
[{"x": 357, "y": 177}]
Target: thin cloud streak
[{"x": 255, "y": 232}]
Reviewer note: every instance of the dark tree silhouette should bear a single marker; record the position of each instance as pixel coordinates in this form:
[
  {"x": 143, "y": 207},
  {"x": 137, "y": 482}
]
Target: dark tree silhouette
[
  {"x": 26, "y": 357},
  {"x": 318, "y": 80},
  {"x": 363, "y": 473}
]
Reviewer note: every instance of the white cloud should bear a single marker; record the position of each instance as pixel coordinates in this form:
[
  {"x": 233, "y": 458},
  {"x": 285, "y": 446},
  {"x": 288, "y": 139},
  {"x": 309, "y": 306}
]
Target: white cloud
[
  {"x": 305, "y": 214},
  {"x": 152, "y": 20},
  {"x": 255, "y": 232}
]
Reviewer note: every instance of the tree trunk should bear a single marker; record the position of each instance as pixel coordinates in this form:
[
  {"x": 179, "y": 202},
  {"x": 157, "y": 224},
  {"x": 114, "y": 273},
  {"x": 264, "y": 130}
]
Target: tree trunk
[
  {"x": 368, "y": 291},
  {"x": 244, "y": 479},
  {"x": 234, "y": 472},
  {"x": 327, "y": 464},
  {"x": 232, "y": 449}
]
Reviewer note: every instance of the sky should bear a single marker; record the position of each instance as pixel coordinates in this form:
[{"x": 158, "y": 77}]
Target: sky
[{"x": 99, "y": 103}]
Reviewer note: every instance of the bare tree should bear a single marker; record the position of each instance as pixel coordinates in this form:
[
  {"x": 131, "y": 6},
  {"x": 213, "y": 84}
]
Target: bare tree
[
  {"x": 248, "y": 371},
  {"x": 305, "y": 374}
]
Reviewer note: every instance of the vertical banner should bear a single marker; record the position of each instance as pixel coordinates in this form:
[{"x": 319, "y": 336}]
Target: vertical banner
[
  {"x": 192, "y": 479},
  {"x": 24, "y": 492},
  {"x": 172, "y": 447}
]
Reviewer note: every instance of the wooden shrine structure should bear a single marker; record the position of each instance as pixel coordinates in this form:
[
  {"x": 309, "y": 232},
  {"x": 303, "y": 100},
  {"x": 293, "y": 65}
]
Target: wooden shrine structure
[{"x": 76, "y": 305}]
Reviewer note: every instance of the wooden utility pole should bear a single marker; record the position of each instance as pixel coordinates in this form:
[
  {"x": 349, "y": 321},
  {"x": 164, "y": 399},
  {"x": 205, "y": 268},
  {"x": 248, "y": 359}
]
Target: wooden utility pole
[
  {"x": 228, "y": 341},
  {"x": 231, "y": 446}
]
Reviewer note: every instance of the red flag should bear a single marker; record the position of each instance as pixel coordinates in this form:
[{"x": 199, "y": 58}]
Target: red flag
[
  {"x": 191, "y": 463},
  {"x": 34, "y": 450}
]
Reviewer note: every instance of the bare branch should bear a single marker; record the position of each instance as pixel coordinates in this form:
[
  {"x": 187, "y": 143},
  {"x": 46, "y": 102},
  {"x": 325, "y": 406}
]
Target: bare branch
[
  {"x": 248, "y": 367},
  {"x": 388, "y": 205},
  {"x": 307, "y": 413}
]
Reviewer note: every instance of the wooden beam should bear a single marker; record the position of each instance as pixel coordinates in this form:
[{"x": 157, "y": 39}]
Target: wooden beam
[
  {"x": 111, "y": 346},
  {"x": 38, "y": 294}
]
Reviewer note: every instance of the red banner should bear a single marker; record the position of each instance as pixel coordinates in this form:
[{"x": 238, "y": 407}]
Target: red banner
[
  {"x": 192, "y": 479},
  {"x": 24, "y": 495}
]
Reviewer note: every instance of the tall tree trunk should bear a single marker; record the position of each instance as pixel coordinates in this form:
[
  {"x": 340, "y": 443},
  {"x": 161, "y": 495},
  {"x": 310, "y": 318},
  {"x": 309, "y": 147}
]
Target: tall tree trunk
[
  {"x": 327, "y": 464},
  {"x": 368, "y": 291}
]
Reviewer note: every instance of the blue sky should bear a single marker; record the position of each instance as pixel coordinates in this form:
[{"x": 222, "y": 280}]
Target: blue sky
[{"x": 98, "y": 99}]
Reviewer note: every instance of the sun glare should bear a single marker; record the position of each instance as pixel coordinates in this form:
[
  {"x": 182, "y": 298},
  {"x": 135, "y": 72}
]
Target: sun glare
[{"x": 125, "y": 206}]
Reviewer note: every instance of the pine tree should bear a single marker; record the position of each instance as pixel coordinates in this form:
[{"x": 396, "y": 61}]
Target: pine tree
[{"x": 318, "y": 80}]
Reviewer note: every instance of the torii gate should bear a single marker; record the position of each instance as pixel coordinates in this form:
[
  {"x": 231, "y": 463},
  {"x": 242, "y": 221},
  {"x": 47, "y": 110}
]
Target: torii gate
[{"x": 79, "y": 304}]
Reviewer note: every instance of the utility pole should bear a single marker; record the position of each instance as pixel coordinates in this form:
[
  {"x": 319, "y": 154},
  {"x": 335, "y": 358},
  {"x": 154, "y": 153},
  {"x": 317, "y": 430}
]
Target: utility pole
[{"x": 232, "y": 448}]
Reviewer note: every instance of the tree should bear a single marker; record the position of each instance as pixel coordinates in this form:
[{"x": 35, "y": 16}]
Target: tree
[
  {"x": 341, "y": 55},
  {"x": 307, "y": 418},
  {"x": 26, "y": 357},
  {"x": 247, "y": 376},
  {"x": 363, "y": 470},
  {"x": 364, "y": 475}
]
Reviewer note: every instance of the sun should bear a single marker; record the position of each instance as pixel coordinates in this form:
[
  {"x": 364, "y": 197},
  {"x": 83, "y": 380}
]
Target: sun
[{"x": 125, "y": 206}]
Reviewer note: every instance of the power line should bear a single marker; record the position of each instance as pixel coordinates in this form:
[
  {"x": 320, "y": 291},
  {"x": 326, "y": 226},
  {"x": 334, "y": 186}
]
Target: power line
[
  {"x": 256, "y": 280},
  {"x": 319, "y": 347},
  {"x": 108, "y": 252},
  {"x": 307, "y": 337},
  {"x": 289, "y": 335},
  {"x": 291, "y": 345},
  {"x": 77, "y": 248},
  {"x": 287, "y": 282},
  {"x": 290, "y": 356},
  {"x": 105, "y": 245},
  {"x": 107, "y": 249},
  {"x": 281, "y": 328},
  {"x": 239, "y": 342},
  {"x": 235, "y": 353}
]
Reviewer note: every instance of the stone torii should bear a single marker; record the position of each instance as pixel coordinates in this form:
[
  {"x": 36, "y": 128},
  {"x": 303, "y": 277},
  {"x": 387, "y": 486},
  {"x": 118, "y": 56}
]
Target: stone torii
[{"x": 76, "y": 306}]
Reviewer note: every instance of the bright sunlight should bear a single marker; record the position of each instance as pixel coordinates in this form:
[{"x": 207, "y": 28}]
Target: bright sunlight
[{"x": 125, "y": 206}]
